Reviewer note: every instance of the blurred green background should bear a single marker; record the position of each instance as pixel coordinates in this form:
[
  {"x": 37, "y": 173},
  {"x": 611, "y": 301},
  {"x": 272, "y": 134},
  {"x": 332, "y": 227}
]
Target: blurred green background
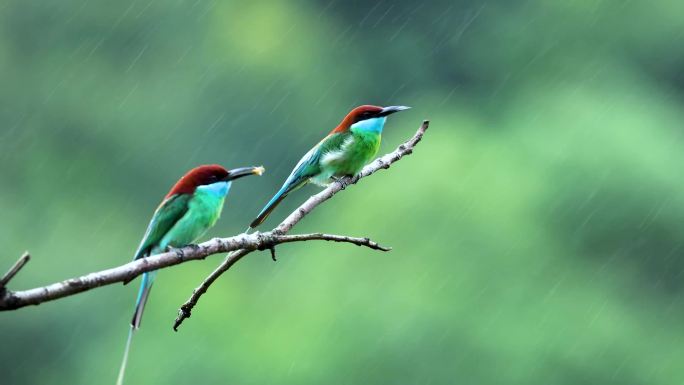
[{"x": 536, "y": 229}]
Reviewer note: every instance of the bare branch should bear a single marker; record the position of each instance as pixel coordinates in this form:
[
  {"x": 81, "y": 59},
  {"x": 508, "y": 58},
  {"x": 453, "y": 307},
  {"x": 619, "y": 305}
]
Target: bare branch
[
  {"x": 333, "y": 238},
  {"x": 23, "y": 260},
  {"x": 286, "y": 225},
  {"x": 186, "y": 309},
  {"x": 238, "y": 246},
  {"x": 243, "y": 243}
]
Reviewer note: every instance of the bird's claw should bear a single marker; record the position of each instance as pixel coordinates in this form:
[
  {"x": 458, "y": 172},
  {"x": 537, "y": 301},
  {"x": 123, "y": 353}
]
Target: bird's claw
[
  {"x": 342, "y": 181},
  {"x": 179, "y": 250},
  {"x": 193, "y": 246}
]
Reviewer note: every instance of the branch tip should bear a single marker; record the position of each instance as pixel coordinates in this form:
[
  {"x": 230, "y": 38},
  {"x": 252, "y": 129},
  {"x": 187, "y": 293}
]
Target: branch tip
[
  {"x": 18, "y": 265},
  {"x": 184, "y": 312}
]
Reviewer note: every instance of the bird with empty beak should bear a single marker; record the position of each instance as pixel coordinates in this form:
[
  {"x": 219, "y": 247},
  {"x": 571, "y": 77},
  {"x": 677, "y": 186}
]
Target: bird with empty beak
[{"x": 343, "y": 152}]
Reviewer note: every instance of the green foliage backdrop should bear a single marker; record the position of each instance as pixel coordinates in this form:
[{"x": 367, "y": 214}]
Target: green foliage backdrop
[{"x": 536, "y": 230}]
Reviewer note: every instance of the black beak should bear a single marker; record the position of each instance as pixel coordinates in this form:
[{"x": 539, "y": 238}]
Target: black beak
[
  {"x": 391, "y": 109},
  {"x": 243, "y": 171}
]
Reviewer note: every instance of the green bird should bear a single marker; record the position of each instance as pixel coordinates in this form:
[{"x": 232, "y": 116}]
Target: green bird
[
  {"x": 192, "y": 206},
  {"x": 343, "y": 152}
]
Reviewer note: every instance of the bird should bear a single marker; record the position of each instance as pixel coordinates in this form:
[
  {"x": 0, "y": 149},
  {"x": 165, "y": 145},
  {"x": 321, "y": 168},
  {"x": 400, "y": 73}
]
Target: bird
[
  {"x": 343, "y": 152},
  {"x": 192, "y": 206}
]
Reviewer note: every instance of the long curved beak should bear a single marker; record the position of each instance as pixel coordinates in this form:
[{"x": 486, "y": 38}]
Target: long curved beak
[
  {"x": 244, "y": 171},
  {"x": 392, "y": 109}
]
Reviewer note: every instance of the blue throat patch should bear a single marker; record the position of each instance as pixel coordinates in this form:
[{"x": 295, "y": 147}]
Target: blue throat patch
[
  {"x": 370, "y": 125},
  {"x": 219, "y": 189}
]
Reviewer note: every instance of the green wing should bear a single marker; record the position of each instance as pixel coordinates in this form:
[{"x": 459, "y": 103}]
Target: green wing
[
  {"x": 167, "y": 214},
  {"x": 309, "y": 165},
  {"x": 333, "y": 142}
]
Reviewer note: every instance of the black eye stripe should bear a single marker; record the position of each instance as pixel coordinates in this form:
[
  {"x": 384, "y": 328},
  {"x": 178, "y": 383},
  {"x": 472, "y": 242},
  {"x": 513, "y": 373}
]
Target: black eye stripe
[{"x": 365, "y": 115}]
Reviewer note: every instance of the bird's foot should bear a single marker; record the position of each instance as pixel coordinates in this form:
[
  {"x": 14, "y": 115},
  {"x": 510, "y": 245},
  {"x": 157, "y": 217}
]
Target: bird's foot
[
  {"x": 193, "y": 246},
  {"x": 343, "y": 181},
  {"x": 179, "y": 250}
]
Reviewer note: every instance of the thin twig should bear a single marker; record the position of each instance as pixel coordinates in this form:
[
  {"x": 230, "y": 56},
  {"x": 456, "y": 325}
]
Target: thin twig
[
  {"x": 286, "y": 225},
  {"x": 185, "y": 310},
  {"x": 334, "y": 238},
  {"x": 23, "y": 260}
]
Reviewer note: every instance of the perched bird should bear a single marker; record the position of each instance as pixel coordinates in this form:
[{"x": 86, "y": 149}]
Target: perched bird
[
  {"x": 191, "y": 208},
  {"x": 343, "y": 152}
]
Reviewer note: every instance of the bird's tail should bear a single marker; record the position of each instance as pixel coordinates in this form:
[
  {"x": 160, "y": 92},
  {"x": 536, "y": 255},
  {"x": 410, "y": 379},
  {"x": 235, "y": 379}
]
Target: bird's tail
[
  {"x": 140, "y": 302},
  {"x": 145, "y": 287},
  {"x": 122, "y": 370},
  {"x": 270, "y": 206}
]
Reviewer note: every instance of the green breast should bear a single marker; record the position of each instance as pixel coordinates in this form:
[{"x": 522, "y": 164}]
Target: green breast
[
  {"x": 362, "y": 151},
  {"x": 355, "y": 151},
  {"x": 203, "y": 212}
]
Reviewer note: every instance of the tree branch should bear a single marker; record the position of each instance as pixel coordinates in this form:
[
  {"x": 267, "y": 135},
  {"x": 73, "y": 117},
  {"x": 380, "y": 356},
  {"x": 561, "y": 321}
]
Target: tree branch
[
  {"x": 286, "y": 225},
  {"x": 238, "y": 246},
  {"x": 10, "y": 300}
]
